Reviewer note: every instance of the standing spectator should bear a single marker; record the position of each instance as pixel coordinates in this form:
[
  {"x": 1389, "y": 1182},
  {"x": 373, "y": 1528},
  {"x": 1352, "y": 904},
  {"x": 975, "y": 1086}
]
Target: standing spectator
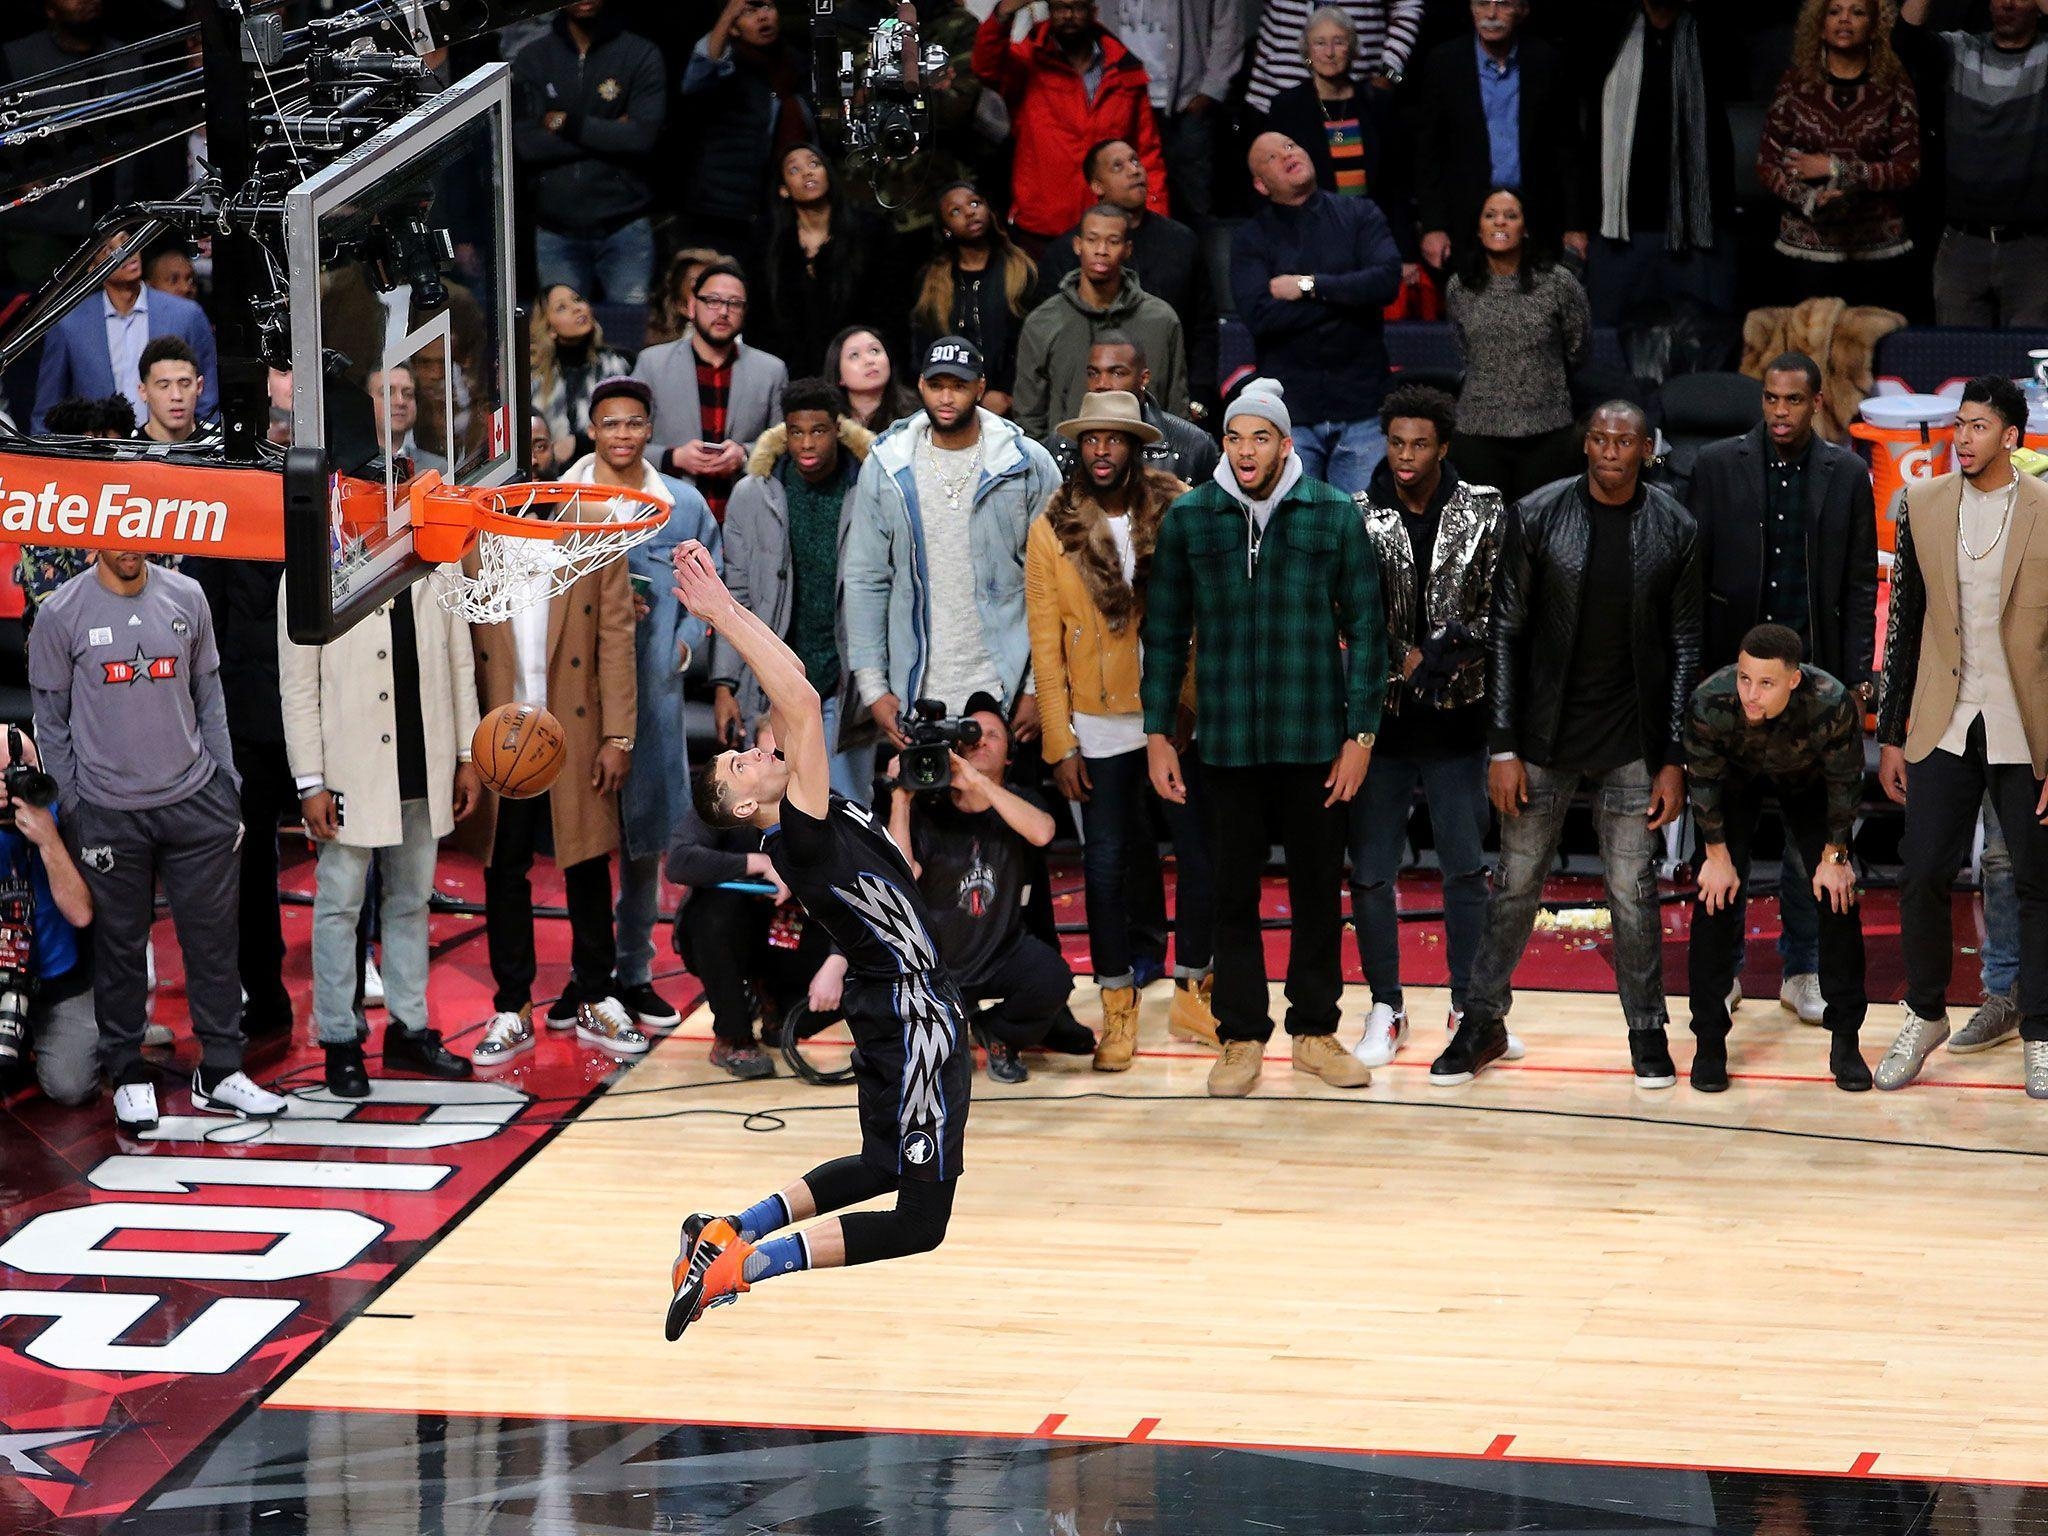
[
  {"x": 47, "y": 895},
  {"x": 168, "y": 269},
  {"x": 668, "y": 312},
  {"x": 1191, "y": 50},
  {"x": 394, "y": 406},
  {"x": 96, "y": 350},
  {"x": 1086, "y": 566},
  {"x": 1593, "y": 652},
  {"x": 1166, "y": 255},
  {"x": 1436, "y": 536},
  {"x": 1104, "y": 294},
  {"x": 1788, "y": 536},
  {"x": 1498, "y": 109},
  {"x": 46, "y": 567},
  {"x": 857, "y": 362},
  {"x": 974, "y": 849},
  {"x": 1767, "y": 723},
  {"x": 1330, "y": 115},
  {"x": 41, "y": 235},
  {"x": 744, "y": 97},
  {"x": 931, "y": 564},
  {"x": 170, "y": 394},
  {"x": 134, "y": 729},
  {"x": 823, "y": 265},
  {"x": 1998, "y": 957},
  {"x": 569, "y": 357},
  {"x": 1311, "y": 273},
  {"x": 1275, "y": 573},
  {"x": 1667, "y": 173},
  {"x": 1992, "y": 267},
  {"x": 1116, "y": 362},
  {"x": 713, "y": 394},
  {"x": 783, "y": 532},
  {"x": 1523, "y": 327},
  {"x": 1842, "y": 141},
  {"x": 1068, "y": 85},
  {"x": 978, "y": 286},
  {"x": 1385, "y": 30},
  {"x": 575, "y": 655},
  {"x": 592, "y": 97},
  {"x": 377, "y": 725},
  {"x": 1964, "y": 711}
]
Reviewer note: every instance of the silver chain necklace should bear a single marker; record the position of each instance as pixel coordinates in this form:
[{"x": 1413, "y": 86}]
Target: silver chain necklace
[
  {"x": 952, "y": 489},
  {"x": 2011, "y": 495}
]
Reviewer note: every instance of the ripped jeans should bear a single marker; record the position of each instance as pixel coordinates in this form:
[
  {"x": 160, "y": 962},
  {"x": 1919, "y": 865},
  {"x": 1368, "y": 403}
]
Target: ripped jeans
[{"x": 1528, "y": 852}]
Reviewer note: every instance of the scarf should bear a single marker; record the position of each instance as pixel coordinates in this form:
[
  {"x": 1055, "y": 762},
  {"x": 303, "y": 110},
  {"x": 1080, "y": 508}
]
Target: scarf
[{"x": 1690, "y": 221}]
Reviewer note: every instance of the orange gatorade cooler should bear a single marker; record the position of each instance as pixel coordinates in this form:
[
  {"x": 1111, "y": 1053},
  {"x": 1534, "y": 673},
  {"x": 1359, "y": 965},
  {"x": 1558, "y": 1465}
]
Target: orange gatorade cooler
[{"x": 1910, "y": 438}]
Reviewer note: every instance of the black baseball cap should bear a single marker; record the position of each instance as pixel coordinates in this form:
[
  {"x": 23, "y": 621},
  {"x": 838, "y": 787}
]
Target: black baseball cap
[
  {"x": 982, "y": 702},
  {"x": 953, "y": 357}
]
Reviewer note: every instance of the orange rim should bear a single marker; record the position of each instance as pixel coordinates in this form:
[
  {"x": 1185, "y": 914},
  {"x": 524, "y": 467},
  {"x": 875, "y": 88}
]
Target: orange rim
[{"x": 446, "y": 519}]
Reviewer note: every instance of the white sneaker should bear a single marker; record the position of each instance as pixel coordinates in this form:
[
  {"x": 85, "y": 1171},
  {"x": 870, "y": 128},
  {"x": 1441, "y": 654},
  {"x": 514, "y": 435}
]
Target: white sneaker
[
  {"x": 135, "y": 1108},
  {"x": 606, "y": 1024},
  {"x": 236, "y": 1095},
  {"x": 155, "y": 1036},
  {"x": 1386, "y": 1031},
  {"x": 1515, "y": 1051},
  {"x": 149, "y": 962},
  {"x": 1801, "y": 995},
  {"x": 373, "y": 983},
  {"x": 1734, "y": 996},
  {"x": 504, "y": 1037}
]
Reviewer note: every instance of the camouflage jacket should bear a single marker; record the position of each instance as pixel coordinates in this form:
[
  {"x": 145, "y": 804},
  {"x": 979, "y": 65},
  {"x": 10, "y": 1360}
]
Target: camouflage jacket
[{"x": 1819, "y": 736}]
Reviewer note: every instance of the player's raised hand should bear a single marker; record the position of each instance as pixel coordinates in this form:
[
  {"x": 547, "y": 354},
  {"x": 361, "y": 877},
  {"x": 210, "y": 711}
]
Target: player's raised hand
[{"x": 698, "y": 586}]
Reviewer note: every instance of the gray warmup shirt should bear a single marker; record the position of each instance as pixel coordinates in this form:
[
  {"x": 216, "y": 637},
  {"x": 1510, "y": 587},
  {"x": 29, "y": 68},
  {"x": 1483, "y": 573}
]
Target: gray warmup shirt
[{"x": 129, "y": 711}]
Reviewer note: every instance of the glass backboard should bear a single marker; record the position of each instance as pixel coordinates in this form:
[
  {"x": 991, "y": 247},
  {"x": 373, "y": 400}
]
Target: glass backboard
[{"x": 405, "y": 352}]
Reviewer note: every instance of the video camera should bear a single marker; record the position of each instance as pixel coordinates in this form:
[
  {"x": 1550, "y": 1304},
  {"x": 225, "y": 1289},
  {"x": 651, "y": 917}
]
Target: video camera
[
  {"x": 23, "y": 780},
  {"x": 881, "y": 94},
  {"x": 30, "y": 784},
  {"x": 926, "y": 764}
]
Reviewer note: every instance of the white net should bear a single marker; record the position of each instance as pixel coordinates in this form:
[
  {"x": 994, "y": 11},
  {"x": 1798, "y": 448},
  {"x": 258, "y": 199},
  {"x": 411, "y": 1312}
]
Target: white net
[{"x": 514, "y": 572}]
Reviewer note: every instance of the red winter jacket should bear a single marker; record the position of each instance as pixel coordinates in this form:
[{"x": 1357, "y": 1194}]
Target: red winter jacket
[{"x": 1055, "y": 123}]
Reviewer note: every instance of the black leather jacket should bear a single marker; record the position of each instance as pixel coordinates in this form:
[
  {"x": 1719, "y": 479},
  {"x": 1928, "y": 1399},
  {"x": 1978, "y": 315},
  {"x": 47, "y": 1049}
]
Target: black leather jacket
[
  {"x": 1536, "y": 596},
  {"x": 1185, "y": 451}
]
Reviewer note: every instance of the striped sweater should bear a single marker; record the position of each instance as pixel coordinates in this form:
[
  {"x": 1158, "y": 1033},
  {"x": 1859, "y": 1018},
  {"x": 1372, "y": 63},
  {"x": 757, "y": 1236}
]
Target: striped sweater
[{"x": 1387, "y": 30}]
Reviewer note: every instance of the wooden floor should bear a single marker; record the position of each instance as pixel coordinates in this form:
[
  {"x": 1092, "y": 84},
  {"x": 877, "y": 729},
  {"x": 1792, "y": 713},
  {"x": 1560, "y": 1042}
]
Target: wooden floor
[{"x": 1783, "y": 1276}]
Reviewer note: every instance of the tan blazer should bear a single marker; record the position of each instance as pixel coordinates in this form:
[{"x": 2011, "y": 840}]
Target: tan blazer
[
  {"x": 338, "y": 720},
  {"x": 593, "y": 690},
  {"x": 1927, "y": 541}
]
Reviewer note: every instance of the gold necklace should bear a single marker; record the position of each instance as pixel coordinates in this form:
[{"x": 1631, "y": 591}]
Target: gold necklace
[{"x": 2011, "y": 495}]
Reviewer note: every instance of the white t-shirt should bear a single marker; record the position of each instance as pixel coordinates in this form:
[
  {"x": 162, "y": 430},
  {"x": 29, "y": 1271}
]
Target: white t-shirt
[{"x": 1114, "y": 735}]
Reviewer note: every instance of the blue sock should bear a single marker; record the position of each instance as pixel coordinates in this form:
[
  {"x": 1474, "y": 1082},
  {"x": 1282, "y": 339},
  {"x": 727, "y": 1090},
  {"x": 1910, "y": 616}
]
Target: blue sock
[
  {"x": 762, "y": 1217},
  {"x": 777, "y": 1256}
]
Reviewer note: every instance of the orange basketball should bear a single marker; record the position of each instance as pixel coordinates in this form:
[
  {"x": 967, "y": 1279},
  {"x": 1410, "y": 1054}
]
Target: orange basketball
[{"x": 518, "y": 750}]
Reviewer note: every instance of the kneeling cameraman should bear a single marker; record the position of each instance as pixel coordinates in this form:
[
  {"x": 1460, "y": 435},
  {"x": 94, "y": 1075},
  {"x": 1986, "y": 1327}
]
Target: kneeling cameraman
[
  {"x": 45, "y": 988},
  {"x": 972, "y": 846}
]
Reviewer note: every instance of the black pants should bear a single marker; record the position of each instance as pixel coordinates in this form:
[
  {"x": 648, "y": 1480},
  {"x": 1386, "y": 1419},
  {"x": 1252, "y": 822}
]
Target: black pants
[
  {"x": 1033, "y": 981},
  {"x": 508, "y": 911},
  {"x": 722, "y": 936},
  {"x": 917, "y": 1225},
  {"x": 1242, "y": 803},
  {"x": 1943, "y": 792},
  {"x": 1515, "y": 466},
  {"x": 268, "y": 795},
  {"x": 1710, "y": 955}
]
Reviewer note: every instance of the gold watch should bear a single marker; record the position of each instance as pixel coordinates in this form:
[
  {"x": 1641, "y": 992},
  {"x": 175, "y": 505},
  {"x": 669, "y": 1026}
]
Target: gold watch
[{"x": 1366, "y": 739}]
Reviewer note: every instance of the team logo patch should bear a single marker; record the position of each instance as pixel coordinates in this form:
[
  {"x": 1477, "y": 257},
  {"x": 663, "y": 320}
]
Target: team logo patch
[
  {"x": 180, "y": 627},
  {"x": 99, "y": 858},
  {"x": 158, "y": 669},
  {"x": 918, "y": 1149},
  {"x": 608, "y": 90}
]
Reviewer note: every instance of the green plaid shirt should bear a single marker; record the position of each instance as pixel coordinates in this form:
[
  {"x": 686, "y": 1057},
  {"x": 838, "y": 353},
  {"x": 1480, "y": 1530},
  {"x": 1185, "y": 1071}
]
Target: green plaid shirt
[{"x": 1271, "y": 685}]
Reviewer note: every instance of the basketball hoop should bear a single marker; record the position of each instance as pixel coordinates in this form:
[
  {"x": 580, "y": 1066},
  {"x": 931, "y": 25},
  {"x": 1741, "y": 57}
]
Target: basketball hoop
[{"x": 532, "y": 540}]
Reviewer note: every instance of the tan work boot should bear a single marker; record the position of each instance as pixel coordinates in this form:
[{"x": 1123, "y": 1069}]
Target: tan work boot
[
  {"x": 1237, "y": 1070},
  {"x": 1119, "y": 1029},
  {"x": 1323, "y": 1056},
  {"x": 1191, "y": 1018}
]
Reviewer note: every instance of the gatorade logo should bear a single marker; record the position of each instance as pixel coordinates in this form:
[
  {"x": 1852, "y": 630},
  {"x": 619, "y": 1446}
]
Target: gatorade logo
[
  {"x": 1915, "y": 462},
  {"x": 115, "y": 516}
]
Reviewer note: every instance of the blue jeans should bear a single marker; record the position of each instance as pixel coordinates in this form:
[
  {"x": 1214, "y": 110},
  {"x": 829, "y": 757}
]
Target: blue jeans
[
  {"x": 1528, "y": 850},
  {"x": 1456, "y": 790},
  {"x": 1116, "y": 819},
  {"x": 621, "y": 264},
  {"x": 2000, "y": 957},
  {"x": 852, "y": 773},
  {"x": 1341, "y": 453},
  {"x": 406, "y": 875}
]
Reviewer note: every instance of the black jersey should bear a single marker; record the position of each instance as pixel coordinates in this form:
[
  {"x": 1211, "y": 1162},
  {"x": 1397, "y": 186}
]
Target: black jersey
[{"x": 851, "y": 877}]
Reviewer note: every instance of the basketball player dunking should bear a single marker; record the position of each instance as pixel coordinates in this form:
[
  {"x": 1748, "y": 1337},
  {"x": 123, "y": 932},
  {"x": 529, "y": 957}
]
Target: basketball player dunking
[{"x": 912, "y": 1062}]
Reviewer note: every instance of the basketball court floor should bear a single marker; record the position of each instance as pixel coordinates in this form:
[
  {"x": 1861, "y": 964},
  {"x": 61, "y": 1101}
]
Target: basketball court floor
[{"x": 1544, "y": 1302}]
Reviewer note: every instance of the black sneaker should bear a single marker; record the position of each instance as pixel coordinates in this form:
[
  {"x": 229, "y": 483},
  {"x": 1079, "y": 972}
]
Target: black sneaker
[
  {"x": 1650, "y": 1051},
  {"x": 1004, "y": 1064},
  {"x": 421, "y": 1051},
  {"x": 347, "y": 1078},
  {"x": 562, "y": 1011},
  {"x": 1710, "y": 1064},
  {"x": 648, "y": 1007},
  {"x": 1069, "y": 1037},
  {"x": 1845, "y": 1060},
  {"x": 1476, "y": 1046},
  {"x": 745, "y": 1062}
]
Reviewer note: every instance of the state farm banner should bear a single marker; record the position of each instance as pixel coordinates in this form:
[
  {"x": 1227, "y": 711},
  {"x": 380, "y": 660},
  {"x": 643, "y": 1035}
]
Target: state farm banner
[{"x": 156, "y": 507}]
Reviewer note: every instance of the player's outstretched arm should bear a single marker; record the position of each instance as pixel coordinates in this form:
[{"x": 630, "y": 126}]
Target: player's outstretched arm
[{"x": 793, "y": 703}]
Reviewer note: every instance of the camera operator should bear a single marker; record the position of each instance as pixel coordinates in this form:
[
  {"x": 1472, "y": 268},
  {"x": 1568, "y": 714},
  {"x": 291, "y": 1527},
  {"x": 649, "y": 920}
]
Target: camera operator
[
  {"x": 972, "y": 846},
  {"x": 45, "y": 988}
]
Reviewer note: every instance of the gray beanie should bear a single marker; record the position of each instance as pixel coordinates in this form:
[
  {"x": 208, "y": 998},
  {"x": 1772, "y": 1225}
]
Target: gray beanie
[{"x": 1261, "y": 398}]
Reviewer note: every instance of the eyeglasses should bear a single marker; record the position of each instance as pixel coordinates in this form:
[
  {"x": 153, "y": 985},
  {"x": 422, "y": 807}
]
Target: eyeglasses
[
  {"x": 729, "y": 306},
  {"x": 621, "y": 424}
]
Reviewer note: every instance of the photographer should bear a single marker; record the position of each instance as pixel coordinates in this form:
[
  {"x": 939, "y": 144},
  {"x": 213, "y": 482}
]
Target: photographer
[
  {"x": 971, "y": 846},
  {"x": 45, "y": 988}
]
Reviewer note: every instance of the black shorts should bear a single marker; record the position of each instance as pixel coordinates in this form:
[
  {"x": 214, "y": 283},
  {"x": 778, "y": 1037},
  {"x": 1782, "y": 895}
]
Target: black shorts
[{"x": 914, "y": 1066}]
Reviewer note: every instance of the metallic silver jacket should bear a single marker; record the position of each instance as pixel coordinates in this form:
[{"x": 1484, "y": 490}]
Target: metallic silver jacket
[{"x": 1460, "y": 584}]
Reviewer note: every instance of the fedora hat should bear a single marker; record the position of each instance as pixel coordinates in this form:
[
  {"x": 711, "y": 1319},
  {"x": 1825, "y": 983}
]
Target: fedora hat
[{"x": 1113, "y": 410}]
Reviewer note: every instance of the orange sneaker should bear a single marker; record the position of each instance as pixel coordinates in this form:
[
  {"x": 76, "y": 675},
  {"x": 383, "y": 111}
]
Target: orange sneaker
[
  {"x": 687, "y": 1256},
  {"x": 713, "y": 1274}
]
